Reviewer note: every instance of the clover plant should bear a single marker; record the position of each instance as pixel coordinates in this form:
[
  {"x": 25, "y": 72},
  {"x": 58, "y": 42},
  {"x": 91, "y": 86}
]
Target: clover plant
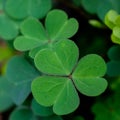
[{"x": 48, "y": 74}]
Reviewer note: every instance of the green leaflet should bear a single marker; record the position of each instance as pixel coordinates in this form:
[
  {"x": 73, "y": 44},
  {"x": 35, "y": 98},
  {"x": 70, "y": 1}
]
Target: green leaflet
[
  {"x": 61, "y": 28},
  {"x": 56, "y": 91},
  {"x": 87, "y": 75},
  {"x": 5, "y": 99},
  {"x": 20, "y": 9},
  {"x": 59, "y": 60},
  {"x": 8, "y": 28},
  {"x": 20, "y": 73},
  {"x": 32, "y": 37}
]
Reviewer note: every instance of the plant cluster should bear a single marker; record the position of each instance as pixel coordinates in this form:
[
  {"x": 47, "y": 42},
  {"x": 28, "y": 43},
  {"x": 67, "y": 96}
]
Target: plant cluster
[{"x": 45, "y": 72}]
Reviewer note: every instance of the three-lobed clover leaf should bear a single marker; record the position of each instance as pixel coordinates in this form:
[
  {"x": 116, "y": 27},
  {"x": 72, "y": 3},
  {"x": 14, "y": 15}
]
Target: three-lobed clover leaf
[
  {"x": 63, "y": 75},
  {"x": 39, "y": 37}
]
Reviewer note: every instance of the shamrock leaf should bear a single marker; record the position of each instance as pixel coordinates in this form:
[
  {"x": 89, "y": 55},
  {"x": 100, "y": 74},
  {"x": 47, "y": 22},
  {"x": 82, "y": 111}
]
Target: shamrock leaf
[
  {"x": 36, "y": 8},
  {"x": 59, "y": 29},
  {"x": 62, "y": 75}
]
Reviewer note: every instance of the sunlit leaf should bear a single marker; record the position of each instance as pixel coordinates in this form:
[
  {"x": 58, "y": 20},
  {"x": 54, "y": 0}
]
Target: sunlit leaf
[
  {"x": 56, "y": 91},
  {"x": 88, "y": 73},
  {"x": 60, "y": 60}
]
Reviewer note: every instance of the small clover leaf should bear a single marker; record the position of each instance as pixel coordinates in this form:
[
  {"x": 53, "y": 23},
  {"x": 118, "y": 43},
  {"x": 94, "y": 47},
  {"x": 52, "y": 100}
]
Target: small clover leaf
[
  {"x": 59, "y": 29},
  {"x": 57, "y": 87},
  {"x": 20, "y": 9}
]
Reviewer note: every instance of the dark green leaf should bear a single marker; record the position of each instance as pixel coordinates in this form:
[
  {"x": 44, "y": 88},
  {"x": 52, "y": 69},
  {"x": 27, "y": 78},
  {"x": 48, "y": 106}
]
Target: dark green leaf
[
  {"x": 113, "y": 68},
  {"x": 20, "y": 73},
  {"x": 20, "y": 9},
  {"x": 22, "y": 113},
  {"x": 114, "y": 53},
  {"x": 8, "y": 28},
  {"x": 5, "y": 99},
  {"x": 41, "y": 110}
]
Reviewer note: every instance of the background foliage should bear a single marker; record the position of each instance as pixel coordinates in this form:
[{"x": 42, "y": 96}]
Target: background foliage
[{"x": 55, "y": 58}]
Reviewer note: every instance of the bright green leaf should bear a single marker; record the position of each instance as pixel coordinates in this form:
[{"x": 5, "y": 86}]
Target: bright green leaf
[
  {"x": 8, "y": 28},
  {"x": 5, "y": 99},
  {"x": 41, "y": 110},
  {"x": 61, "y": 27},
  {"x": 56, "y": 91},
  {"x": 88, "y": 73},
  {"x": 116, "y": 35},
  {"x": 60, "y": 60},
  {"x": 22, "y": 113},
  {"x": 117, "y": 21},
  {"x": 20, "y": 73},
  {"x": 110, "y": 18},
  {"x": 20, "y": 9}
]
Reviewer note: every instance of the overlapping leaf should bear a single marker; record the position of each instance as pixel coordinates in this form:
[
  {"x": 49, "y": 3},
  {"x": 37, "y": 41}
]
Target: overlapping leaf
[
  {"x": 8, "y": 28},
  {"x": 56, "y": 87},
  {"x": 113, "y": 66},
  {"x": 20, "y": 9},
  {"x": 109, "y": 109},
  {"x": 5, "y": 99},
  {"x": 58, "y": 29},
  {"x": 41, "y": 110},
  {"x": 20, "y": 73},
  {"x": 58, "y": 61},
  {"x": 22, "y": 112},
  {"x": 100, "y": 7}
]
